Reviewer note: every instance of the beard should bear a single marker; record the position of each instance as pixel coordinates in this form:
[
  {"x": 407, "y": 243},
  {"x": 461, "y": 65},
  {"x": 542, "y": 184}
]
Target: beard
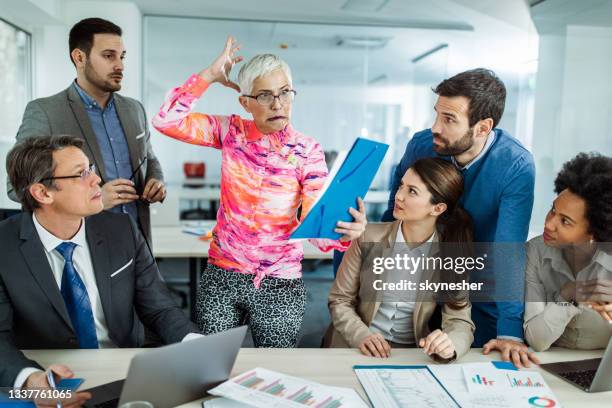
[
  {"x": 462, "y": 145},
  {"x": 105, "y": 85}
]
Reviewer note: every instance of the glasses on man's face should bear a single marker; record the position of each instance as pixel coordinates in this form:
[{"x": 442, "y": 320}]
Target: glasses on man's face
[
  {"x": 267, "y": 98},
  {"x": 83, "y": 175}
]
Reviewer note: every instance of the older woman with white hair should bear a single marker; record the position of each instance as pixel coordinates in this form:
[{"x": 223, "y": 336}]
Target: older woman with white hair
[{"x": 268, "y": 171}]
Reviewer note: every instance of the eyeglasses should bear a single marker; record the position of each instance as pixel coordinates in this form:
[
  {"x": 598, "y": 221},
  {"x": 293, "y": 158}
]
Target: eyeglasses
[
  {"x": 84, "y": 175},
  {"x": 267, "y": 98},
  {"x": 138, "y": 168}
]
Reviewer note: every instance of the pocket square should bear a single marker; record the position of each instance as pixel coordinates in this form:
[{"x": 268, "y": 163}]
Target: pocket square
[
  {"x": 140, "y": 136},
  {"x": 122, "y": 268}
]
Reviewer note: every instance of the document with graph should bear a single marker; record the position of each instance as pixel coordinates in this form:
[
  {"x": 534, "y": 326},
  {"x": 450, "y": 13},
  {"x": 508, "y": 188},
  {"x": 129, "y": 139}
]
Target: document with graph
[
  {"x": 403, "y": 386},
  {"x": 269, "y": 389},
  {"x": 516, "y": 388},
  {"x": 471, "y": 385}
]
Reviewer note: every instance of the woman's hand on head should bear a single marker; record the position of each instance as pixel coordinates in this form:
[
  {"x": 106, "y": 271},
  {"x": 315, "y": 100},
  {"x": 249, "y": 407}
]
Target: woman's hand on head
[
  {"x": 353, "y": 230},
  {"x": 219, "y": 70}
]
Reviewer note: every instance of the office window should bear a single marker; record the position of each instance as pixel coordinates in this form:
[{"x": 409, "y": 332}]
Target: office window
[{"x": 15, "y": 78}]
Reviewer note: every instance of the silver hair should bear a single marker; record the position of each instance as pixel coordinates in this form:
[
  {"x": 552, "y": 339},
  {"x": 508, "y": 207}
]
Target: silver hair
[{"x": 258, "y": 66}]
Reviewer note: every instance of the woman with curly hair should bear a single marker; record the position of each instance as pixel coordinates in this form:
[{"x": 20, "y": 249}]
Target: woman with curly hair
[{"x": 569, "y": 266}]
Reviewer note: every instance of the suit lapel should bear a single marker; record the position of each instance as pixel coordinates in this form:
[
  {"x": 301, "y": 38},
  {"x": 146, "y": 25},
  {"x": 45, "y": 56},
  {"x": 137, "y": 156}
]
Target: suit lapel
[
  {"x": 76, "y": 104},
  {"x": 100, "y": 257},
  {"x": 34, "y": 255},
  {"x": 131, "y": 130}
]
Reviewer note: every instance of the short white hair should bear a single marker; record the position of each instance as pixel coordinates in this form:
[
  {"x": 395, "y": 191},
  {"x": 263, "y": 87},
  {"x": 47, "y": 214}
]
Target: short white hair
[{"x": 258, "y": 66}]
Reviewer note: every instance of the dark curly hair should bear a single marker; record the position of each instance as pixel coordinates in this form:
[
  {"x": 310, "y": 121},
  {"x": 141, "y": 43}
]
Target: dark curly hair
[{"x": 589, "y": 175}]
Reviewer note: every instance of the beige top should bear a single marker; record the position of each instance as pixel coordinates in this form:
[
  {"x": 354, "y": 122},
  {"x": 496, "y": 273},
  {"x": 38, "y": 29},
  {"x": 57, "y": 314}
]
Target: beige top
[
  {"x": 548, "y": 319},
  {"x": 353, "y": 303},
  {"x": 394, "y": 318}
]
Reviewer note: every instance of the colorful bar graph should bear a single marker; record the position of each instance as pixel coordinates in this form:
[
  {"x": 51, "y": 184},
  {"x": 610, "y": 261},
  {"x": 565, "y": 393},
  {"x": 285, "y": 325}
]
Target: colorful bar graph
[
  {"x": 481, "y": 380},
  {"x": 514, "y": 382},
  {"x": 250, "y": 380},
  {"x": 329, "y": 402}
]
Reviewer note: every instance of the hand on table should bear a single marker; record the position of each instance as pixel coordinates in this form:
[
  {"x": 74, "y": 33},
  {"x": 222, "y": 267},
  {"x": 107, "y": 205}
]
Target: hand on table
[
  {"x": 511, "y": 350},
  {"x": 438, "y": 342},
  {"x": 375, "y": 345}
]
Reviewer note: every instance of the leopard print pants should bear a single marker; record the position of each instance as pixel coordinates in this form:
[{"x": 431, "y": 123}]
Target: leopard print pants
[{"x": 273, "y": 312}]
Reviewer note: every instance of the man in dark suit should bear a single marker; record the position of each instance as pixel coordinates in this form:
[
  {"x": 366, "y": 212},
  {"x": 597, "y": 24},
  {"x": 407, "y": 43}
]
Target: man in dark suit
[
  {"x": 113, "y": 127},
  {"x": 73, "y": 276}
]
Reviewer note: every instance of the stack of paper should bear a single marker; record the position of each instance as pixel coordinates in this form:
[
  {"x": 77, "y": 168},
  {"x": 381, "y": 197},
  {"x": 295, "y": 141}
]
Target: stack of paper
[{"x": 269, "y": 389}]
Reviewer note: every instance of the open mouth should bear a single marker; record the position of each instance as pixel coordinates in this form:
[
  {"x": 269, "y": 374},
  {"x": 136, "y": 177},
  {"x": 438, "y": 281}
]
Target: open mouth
[{"x": 273, "y": 118}]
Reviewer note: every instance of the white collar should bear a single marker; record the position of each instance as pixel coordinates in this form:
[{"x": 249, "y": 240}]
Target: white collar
[
  {"x": 488, "y": 143},
  {"x": 400, "y": 236},
  {"x": 50, "y": 241}
]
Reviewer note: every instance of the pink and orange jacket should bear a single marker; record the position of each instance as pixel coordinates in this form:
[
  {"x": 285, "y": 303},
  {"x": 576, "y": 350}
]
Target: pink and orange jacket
[{"x": 264, "y": 180}]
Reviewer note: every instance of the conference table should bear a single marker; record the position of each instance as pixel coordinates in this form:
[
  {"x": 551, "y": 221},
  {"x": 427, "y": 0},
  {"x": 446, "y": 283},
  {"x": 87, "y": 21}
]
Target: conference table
[
  {"x": 172, "y": 242},
  {"x": 326, "y": 366}
]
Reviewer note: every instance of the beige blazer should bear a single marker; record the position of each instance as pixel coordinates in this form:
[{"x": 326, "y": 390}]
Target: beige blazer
[{"x": 353, "y": 302}]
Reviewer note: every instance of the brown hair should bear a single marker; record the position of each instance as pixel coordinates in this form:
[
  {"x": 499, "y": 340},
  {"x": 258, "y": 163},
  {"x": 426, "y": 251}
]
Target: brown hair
[
  {"x": 484, "y": 89},
  {"x": 454, "y": 225},
  {"x": 82, "y": 34},
  {"x": 31, "y": 161}
]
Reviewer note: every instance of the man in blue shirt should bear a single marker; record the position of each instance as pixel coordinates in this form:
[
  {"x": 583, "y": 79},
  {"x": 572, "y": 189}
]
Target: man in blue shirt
[
  {"x": 114, "y": 127},
  {"x": 499, "y": 178}
]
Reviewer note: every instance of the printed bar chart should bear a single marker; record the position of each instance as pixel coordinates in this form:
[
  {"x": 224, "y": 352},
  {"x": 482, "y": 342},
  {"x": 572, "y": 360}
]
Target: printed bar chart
[
  {"x": 524, "y": 382},
  {"x": 478, "y": 380},
  {"x": 268, "y": 389}
]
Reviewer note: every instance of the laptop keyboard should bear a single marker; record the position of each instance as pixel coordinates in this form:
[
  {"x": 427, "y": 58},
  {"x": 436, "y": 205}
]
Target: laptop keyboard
[
  {"x": 584, "y": 378},
  {"x": 108, "y": 404}
]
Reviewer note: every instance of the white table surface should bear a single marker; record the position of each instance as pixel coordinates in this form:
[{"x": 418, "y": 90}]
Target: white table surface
[{"x": 327, "y": 366}]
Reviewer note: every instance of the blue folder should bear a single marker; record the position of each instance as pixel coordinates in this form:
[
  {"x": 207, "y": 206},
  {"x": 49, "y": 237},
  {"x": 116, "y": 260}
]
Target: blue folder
[{"x": 352, "y": 180}]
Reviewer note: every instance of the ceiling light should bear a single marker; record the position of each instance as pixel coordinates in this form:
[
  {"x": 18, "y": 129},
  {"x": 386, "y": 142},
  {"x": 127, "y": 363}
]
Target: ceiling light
[{"x": 362, "y": 42}]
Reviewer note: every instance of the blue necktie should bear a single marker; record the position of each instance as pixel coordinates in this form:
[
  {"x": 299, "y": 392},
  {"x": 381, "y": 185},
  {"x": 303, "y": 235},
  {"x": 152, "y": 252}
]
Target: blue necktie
[{"x": 77, "y": 300}]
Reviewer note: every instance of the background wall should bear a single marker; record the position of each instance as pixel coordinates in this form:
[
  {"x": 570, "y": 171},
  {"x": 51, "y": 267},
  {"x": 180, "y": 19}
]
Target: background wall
[{"x": 553, "y": 56}]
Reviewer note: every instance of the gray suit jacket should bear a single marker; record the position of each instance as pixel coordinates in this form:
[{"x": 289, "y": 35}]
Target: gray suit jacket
[
  {"x": 33, "y": 314},
  {"x": 64, "y": 113}
]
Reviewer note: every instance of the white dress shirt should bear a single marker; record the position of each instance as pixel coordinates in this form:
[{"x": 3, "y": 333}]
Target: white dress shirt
[
  {"x": 81, "y": 258},
  {"x": 394, "y": 319}
]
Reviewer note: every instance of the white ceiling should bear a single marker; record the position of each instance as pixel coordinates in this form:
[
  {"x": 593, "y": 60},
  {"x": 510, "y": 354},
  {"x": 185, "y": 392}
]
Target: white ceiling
[
  {"x": 553, "y": 15},
  {"x": 414, "y": 27},
  {"x": 412, "y": 13}
]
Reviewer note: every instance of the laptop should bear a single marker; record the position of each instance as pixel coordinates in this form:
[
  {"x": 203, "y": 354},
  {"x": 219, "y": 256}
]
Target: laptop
[
  {"x": 172, "y": 375},
  {"x": 592, "y": 375}
]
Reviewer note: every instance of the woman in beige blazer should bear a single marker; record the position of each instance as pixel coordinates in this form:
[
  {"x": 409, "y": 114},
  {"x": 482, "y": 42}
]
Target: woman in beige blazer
[{"x": 430, "y": 223}]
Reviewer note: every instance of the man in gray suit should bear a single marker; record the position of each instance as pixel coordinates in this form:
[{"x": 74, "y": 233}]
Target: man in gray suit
[
  {"x": 114, "y": 127},
  {"x": 72, "y": 275}
]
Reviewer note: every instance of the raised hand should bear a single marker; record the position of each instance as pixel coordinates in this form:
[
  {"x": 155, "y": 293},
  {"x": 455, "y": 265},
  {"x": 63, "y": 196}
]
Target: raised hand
[{"x": 219, "y": 70}]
